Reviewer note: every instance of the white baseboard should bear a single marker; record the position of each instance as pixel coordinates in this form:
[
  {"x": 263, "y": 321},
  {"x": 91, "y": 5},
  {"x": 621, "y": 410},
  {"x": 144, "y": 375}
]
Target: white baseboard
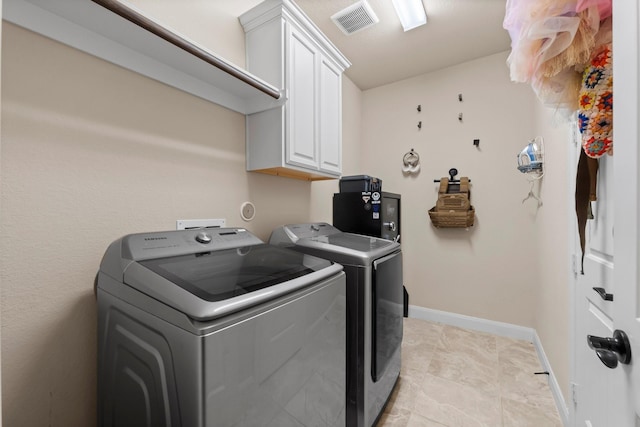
[
  {"x": 502, "y": 329},
  {"x": 475, "y": 323},
  {"x": 561, "y": 405}
]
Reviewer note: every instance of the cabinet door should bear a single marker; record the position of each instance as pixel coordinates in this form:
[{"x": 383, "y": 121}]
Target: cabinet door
[
  {"x": 330, "y": 120},
  {"x": 301, "y": 139}
]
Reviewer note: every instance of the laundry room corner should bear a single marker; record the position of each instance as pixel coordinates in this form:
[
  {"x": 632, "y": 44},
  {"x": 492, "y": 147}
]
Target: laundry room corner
[
  {"x": 478, "y": 270},
  {"x": 515, "y": 253},
  {"x": 554, "y": 226}
]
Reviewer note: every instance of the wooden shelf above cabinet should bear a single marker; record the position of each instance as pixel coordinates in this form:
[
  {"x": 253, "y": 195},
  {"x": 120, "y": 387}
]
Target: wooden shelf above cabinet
[
  {"x": 295, "y": 174},
  {"x": 117, "y": 33}
]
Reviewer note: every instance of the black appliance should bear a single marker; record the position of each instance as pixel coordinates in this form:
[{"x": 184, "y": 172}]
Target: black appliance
[
  {"x": 371, "y": 213},
  {"x": 362, "y": 207}
]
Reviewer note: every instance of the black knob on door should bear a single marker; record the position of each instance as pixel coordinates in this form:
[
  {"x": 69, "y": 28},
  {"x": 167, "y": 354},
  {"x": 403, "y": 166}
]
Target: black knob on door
[{"x": 610, "y": 351}]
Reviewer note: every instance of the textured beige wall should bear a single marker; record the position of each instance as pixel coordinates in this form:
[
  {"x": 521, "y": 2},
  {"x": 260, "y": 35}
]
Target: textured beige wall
[
  {"x": 554, "y": 222},
  {"x": 216, "y": 26},
  {"x": 513, "y": 266},
  {"x": 488, "y": 271}
]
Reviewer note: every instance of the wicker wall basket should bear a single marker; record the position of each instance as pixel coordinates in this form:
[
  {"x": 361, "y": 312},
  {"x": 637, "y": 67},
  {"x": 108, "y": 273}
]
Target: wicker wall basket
[
  {"x": 452, "y": 219},
  {"x": 453, "y": 209}
]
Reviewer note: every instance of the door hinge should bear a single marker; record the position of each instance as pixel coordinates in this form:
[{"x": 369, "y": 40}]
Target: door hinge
[{"x": 574, "y": 393}]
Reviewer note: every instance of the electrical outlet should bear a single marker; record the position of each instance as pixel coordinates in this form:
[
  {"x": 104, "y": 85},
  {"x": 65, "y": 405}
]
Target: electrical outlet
[
  {"x": 247, "y": 211},
  {"x": 186, "y": 224}
]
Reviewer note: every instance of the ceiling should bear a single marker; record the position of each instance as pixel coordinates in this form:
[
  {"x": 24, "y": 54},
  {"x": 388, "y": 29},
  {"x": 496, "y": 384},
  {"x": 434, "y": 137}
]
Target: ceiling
[{"x": 456, "y": 31}]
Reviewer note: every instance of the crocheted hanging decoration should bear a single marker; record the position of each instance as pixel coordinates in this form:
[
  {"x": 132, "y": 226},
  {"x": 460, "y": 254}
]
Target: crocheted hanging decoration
[{"x": 595, "y": 105}]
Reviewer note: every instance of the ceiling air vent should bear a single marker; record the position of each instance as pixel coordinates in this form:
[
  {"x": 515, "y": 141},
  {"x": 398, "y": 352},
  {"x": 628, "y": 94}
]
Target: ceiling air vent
[{"x": 356, "y": 17}]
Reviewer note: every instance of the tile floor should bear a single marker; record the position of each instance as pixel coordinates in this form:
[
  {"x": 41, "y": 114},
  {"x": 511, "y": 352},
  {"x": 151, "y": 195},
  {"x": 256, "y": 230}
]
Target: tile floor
[{"x": 455, "y": 377}]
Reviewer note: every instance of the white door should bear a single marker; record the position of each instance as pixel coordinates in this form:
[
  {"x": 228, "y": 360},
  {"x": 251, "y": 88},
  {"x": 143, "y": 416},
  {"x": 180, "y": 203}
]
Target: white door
[
  {"x": 594, "y": 400},
  {"x": 609, "y": 397},
  {"x": 627, "y": 212}
]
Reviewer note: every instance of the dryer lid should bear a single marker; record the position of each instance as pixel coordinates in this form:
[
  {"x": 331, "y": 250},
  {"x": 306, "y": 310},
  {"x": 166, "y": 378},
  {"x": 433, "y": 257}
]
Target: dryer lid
[
  {"x": 326, "y": 241},
  {"x": 354, "y": 242}
]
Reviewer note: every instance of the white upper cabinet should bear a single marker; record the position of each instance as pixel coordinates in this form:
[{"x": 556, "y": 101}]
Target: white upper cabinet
[
  {"x": 330, "y": 117},
  {"x": 302, "y": 138}
]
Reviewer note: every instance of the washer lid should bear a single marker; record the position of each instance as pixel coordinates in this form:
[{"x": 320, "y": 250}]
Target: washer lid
[
  {"x": 221, "y": 275},
  {"x": 209, "y": 273}
]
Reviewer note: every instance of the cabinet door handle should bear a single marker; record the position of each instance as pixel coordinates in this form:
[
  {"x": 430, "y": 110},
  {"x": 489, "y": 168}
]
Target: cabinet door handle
[{"x": 603, "y": 294}]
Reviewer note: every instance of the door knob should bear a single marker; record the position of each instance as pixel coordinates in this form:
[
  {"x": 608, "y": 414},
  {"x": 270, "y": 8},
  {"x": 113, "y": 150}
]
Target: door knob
[
  {"x": 610, "y": 351},
  {"x": 391, "y": 225}
]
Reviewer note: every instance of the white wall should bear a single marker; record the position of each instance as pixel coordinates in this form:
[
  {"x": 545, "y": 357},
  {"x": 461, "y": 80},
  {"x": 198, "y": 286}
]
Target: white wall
[{"x": 488, "y": 271}]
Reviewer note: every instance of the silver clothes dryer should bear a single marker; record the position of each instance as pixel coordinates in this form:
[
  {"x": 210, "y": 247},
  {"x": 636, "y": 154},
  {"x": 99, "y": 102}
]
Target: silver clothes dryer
[
  {"x": 374, "y": 310},
  {"x": 203, "y": 328}
]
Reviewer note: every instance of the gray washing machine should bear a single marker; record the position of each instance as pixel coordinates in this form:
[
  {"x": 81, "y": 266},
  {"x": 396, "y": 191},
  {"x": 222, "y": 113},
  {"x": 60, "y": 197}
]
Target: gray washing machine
[
  {"x": 374, "y": 310},
  {"x": 215, "y": 328}
]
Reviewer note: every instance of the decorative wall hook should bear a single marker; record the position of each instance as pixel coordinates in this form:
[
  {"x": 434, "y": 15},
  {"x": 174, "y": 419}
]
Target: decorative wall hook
[
  {"x": 419, "y": 108},
  {"x": 420, "y": 124},
  {"x": 411, "y": 162},
  {"x": 460, "y": 97},
  {"x": 460, "y": 117}
]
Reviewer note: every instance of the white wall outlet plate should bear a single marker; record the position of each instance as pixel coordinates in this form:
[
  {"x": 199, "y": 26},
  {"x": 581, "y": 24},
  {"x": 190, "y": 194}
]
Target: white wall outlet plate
[
  {"x": 247, "y": 211},
  {"x": 186, "y": 224}
]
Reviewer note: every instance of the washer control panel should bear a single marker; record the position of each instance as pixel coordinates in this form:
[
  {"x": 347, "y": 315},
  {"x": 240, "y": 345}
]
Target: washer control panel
[{"x": 181, "y": 242}]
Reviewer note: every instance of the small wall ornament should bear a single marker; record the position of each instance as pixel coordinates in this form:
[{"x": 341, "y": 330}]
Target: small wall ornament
[{"x": 411, "y": 163}]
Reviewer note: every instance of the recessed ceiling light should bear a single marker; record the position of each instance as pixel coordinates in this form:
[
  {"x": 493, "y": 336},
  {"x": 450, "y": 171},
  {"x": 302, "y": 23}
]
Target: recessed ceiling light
[{"x": 411, "y": 13}]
